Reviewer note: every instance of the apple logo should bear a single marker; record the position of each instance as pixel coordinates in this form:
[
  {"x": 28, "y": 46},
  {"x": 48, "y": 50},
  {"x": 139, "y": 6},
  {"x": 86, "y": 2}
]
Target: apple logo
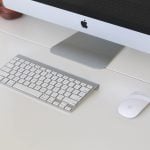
[{"x": 84, "y": 24}]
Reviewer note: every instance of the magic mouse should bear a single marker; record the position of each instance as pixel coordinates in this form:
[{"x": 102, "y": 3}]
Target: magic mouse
[{"x": 133, "y": 105}]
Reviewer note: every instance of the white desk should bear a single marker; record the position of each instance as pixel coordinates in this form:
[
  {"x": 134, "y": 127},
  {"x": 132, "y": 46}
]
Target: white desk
[{"x": 27, "y": 124}]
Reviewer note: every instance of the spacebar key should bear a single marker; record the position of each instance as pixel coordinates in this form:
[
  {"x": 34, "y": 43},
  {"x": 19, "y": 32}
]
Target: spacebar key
[{"x": 27, "y": 90}]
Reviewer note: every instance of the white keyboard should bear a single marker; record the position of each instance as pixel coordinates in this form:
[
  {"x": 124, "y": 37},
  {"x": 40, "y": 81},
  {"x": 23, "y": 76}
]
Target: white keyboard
[{"x": 45, "y": 83}]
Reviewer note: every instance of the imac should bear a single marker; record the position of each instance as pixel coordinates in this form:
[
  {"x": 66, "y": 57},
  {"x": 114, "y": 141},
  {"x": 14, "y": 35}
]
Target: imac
[{"x": 117, "y": 22}]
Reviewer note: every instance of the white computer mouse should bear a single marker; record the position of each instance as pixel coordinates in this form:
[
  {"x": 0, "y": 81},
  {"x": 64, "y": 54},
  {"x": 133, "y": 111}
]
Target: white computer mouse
[{"x": 133, "y": 105}]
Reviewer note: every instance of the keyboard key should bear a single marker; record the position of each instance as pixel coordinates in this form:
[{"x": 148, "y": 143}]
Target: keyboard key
[
  {"x": 58, "y": 85},
  {"x": 55, "y": 89},
  {"x": 59, "y": 75},
  {"x": 53, "y": 82},
  {"x": 32, "y": 65},
  {"x": 26, "y": 72},
  {"x": 43, "y": 69},
  {"x": 56, "y": 103},
  {"x": 5, "y": 80},
  {"x": 89, "y": 86},
  {"x": 60, "y": 97},
  {"x": 63, "y": 105},
  {"x": 16, "y": 58},
  {"x": 51, "y": 100},
  {"x": 16, "y": 79},
  {"x": 6, "y": 69},
  {"x": 38, "y": 71},
  {"x": 23, "y": 76},
  {"x": 27, "y": 90},
  {"x": 54, "y": 78},
  {"x": 70, "y": 89},
  {"x": 67, "y": 94},
  {"x": 12, "y": 61},
  {"x": 27, "y": 63},
  {"x": 60, "y": 80},
  {"x": 23, "y": 65},
  {"x": 71, "y": 84},
  {"x": 32, "y": 85},
  {"x": 31, "y": 74},
  {"x": 75, "y": 97},
  {"x": 9, "y": 65},
  {"x": 3, "y": 73},
  {"x": 39, "y": 82},
  {"x": 50, "y": 87},
  {"x": 76, "y": 92},
  {"x": 48, "y": 70},
  {"x": 1, "y": 77},
  {"x": 28, "y": 78},
  {"x": 21, "y": 70},
  {"x": 65, "y": 77},
  {"x": 43, "y": 73},
  {"x": 77, "y": 86},
  {"x": 16, "y": 68},
  {"x": 26, "y": 83},
  {"x": 43, "y": 90},
  {"x": 48, "y": 92},
  {"x": 69, "y": 101},
  {"x": 10, "y": 82},
  {"x": 61, "y": 92},
  {"x": 42, "y": 78},
  {"x": 68, "y": 108},
  {"x": 21, "y": 60},
  {"x": 65, "y": 82},
  {"x": 44, "y": 85},
  {"x": 34, "y": 80},
  {"x": 28, "y": 67},
  {"x": 11, "y": 77},
  {"x": 36, "y": 76},
  {"x": 37, "y": 87},
  {"x": 77, "y": 82},
  {"x": 71, "y": 80},
  {"x": 18, "y": 74},
  {"x": 82, "y": 94},
  {"x": 44, "y": 97},
  {"x": 17, "y": 63},
  {"x": 13, "y": 72},
  {"x": 49, "y": 76},
  {"x": 47, "y": 80},
  {"x": 64, "y": 87},
  {"x": 84, "y": 89},
  {"x": 54, "y": 73},
  {"x": 21, "y": 80},
  {"x": 37, "y": 66},
  {"x": 83, "y": 84},
  {"x": 54, "y": 94}
]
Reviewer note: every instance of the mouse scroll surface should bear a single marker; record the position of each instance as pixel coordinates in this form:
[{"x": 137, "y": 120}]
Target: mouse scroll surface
[{"x": 132, "y": 106}]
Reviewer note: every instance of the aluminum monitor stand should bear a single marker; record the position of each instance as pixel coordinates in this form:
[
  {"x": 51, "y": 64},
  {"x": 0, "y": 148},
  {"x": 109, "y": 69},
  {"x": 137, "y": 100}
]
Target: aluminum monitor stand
[{"x": 88, "y": 50}]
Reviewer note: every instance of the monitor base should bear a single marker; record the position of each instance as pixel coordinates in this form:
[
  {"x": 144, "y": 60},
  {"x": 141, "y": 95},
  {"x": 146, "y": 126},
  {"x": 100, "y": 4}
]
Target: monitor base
[{"x": 88, "y": 50}]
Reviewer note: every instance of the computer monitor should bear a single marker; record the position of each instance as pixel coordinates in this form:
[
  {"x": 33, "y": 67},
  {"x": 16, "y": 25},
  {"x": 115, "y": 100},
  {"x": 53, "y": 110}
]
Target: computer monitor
[{"x": 124, "y": 22}]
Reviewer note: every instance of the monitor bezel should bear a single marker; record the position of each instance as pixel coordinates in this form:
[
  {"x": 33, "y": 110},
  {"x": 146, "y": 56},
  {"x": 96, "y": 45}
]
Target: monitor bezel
[{"x": 98, "y": 28}]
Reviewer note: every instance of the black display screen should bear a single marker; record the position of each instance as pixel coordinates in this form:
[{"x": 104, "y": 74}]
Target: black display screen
[{"x": 132, "y": 14}]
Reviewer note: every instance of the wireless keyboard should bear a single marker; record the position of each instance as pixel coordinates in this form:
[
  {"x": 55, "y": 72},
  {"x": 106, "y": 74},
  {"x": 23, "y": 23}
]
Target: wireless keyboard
[{"x": 45, "y": 83}]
